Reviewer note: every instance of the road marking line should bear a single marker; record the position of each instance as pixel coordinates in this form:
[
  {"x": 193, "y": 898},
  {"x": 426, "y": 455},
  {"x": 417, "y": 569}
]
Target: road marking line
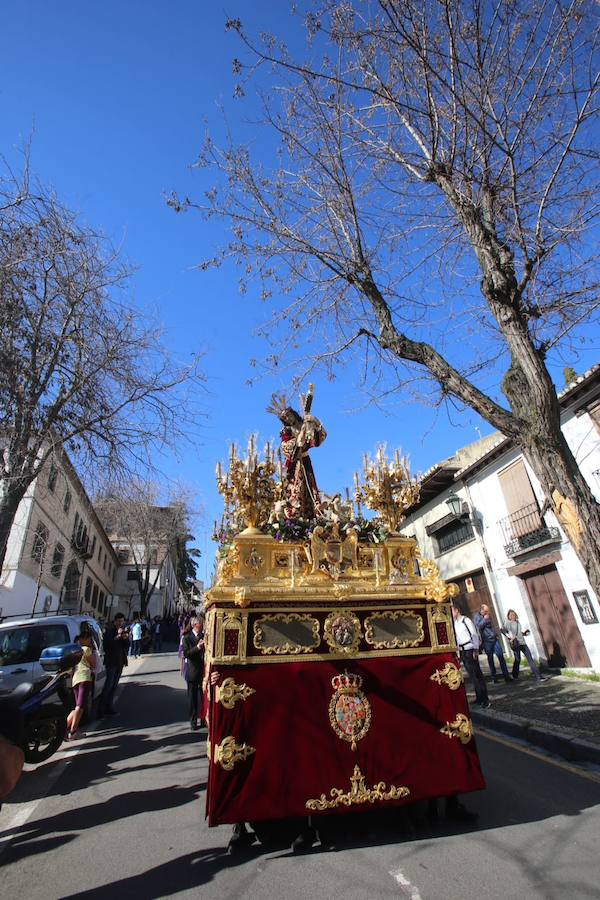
[
  {"x": 405, "y": 886},
  {"x": 560, "y": 764}
]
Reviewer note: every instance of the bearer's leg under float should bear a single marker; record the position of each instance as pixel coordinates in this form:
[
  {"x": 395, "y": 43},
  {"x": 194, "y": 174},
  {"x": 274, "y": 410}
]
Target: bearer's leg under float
[{"x": 240, "y": 838}]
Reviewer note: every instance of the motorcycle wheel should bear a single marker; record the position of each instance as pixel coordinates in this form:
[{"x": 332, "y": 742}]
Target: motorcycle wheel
[{"x": 43, "y": 736}]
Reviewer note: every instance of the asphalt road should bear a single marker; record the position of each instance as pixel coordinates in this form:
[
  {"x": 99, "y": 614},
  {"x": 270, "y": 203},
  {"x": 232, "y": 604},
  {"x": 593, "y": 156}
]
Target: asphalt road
[{"x": 121, "y": 813}]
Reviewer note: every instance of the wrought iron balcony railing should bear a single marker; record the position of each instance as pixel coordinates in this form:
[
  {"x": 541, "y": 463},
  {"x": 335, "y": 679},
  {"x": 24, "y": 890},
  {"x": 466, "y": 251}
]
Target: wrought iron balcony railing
[{"x": 525, "y": 529}]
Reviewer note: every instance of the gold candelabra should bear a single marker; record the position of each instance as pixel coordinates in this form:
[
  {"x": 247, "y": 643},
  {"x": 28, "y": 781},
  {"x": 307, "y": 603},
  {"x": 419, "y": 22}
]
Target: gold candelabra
[
  {"x": 388, "y": 488},
  {"x": 248, "y": 487}
]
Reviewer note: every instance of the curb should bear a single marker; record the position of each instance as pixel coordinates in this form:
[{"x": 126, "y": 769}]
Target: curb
[{"x": 573, "y": 749}]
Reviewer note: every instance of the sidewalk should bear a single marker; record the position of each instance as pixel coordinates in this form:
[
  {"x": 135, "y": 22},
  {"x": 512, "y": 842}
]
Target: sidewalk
[{"x": 560, "y": 714}]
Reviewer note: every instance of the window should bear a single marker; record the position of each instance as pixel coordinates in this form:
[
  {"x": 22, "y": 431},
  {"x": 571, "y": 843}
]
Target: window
[
  {"x": 132, "y": 575},
  {"x": 93, "y": 545},
  {"x": 123, "y": 557},
  {"x": 88, "y": 590},
  {"x": 16, "y": 647},
  {"x": 101, "y": 604},
  {"x": 154, "y": 557},
  {"x": 452, "y": 535},
  {"x": 67, "y": 501},
  {"x": 75, "y": 525},
  {"x": 52, "y": 476},
  {"x": 105, "y": 561},
  {"x": 95, "y": 596},
  {"x": 40, "y": 542},
  {"x": 58, "y": 559},
  {"x": 99, "y": 552}
]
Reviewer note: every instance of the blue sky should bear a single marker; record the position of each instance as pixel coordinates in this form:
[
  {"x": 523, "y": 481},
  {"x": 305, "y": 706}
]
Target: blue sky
[{"x": 117, "y": 97}]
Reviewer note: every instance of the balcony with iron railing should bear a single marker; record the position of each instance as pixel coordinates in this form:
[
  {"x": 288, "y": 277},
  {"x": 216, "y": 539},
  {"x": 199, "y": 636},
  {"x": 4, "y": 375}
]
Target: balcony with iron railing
[{"x": 525, "y": 529}]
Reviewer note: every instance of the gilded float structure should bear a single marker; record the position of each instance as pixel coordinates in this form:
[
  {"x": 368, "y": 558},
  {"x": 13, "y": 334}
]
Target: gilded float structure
[{"x": 330, "y": 647}]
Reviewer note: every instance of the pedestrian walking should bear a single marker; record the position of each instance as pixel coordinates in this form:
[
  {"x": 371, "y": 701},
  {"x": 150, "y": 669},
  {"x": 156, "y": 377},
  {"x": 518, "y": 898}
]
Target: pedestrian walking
[
  {"x": 157, "y": 634},
  {"x": 116, "y": 642},
  {"x": 82, "y": 680},
  {"x": 491, "y": 642},
  {"x": 136, "y": 638},
  {"x": 467, "y": 638},
  {"x": 516, "y": 637},
  {"x": 193, "y": 651}
]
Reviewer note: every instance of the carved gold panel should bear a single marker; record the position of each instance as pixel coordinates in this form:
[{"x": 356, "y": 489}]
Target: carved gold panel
[
  {"x": 393, "y": 629},
  {"x": 230, "y": 624},
  {"x": 287, "y": 633},
  {"x": 342, "y": 631}
]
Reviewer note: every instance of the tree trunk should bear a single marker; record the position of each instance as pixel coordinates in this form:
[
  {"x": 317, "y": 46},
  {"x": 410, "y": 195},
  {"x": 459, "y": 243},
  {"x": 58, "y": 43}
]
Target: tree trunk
[
  {"x": 9, "y": 504},
  {"x": 545, "y": 447}
]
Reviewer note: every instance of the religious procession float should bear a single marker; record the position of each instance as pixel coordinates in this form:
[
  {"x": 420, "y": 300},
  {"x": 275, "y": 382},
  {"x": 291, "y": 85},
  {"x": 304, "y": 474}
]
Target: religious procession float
[{"x": 335, "y": 683}]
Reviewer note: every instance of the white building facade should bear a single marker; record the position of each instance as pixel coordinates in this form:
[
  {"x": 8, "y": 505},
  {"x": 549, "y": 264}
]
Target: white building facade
[{"x": 503, "y": 546}]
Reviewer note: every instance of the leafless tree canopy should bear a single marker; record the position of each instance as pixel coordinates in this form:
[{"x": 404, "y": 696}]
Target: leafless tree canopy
[
  {"x": 135, "y": 519},
  {"x": 79, "y": 368},
  {"x": 433, "y": 199}
]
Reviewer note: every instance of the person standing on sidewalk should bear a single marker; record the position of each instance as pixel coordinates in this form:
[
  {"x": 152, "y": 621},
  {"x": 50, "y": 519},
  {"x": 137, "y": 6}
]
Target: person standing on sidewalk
[
  {"x": 136, "y": 638},
  {"x": 116, "y": 644},
  {"x": 516, "y": 637},
  {"x": 491, "y": 642},
  {"x": 193, "y": 651},
  {"x": 467, "y": 638}
]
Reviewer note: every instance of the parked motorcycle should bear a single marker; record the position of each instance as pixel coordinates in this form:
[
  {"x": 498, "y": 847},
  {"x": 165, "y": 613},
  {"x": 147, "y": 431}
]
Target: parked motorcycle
[{"x": 34, "y": 716}]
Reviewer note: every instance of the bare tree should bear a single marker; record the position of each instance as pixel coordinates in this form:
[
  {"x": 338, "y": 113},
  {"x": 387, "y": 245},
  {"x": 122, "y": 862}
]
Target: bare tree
[
  {"x": 136, "y": 521},
  {"x": 432, "y": 207},
  {"x": 79, "y": 368}
]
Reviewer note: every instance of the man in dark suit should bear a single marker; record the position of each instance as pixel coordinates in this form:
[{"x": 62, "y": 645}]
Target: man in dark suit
[{"x": 193, "y": 650}]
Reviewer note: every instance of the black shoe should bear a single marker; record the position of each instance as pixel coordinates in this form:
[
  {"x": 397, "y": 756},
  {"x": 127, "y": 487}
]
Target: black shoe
[
  {"x": 240, "y": 839},
  {"x": 486, "y": 704},
  {"x": 305, "y": 840},
  {"x": 456, "y": 811},
  {"x": 194, "y": 726}
]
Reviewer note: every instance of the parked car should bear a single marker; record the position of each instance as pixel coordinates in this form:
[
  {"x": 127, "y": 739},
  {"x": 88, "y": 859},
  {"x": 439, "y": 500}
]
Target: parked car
[{"x": 22, "y": 642}]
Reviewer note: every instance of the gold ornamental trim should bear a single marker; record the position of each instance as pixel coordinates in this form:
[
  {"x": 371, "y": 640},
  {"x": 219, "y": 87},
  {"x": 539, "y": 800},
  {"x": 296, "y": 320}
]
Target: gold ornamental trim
[
  {"x": 289, "y": 647},
  {"x": 436, "y": 588},
  {"x": 228, "y": 693},
  {"x": 342, "y": 631},
  {"x": 461, "y": 728},
  {"x": 228, "y": 753},
  {"x": 358, "y": 793},
  {"x": 396, "y": 642},
  {"x": 450, "y": 675}
]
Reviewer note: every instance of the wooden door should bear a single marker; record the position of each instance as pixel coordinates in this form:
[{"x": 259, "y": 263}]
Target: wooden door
[
  {"x": 470, "y": 601},
  {"x": 558, "y": 629}
]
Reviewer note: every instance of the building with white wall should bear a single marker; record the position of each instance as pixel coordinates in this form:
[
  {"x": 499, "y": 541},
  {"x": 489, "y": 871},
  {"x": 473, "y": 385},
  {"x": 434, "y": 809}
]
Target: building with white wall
[
  {"x": 59, "y": 557},
  {"x": 501, "y": 544}
]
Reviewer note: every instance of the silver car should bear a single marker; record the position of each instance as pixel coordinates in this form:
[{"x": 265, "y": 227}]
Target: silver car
[{"x": 22, "y": 642}]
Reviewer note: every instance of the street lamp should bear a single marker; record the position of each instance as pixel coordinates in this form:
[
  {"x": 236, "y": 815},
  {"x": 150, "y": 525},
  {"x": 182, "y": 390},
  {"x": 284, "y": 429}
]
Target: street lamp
[{"x": 454, "y": 504}]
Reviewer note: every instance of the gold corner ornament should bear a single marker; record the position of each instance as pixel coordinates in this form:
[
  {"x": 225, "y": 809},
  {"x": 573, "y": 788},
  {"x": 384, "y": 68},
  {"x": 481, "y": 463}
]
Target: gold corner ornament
[
  {"x": 460, "y": 728},
  {"x": 349, "y": 709},
  {"x": 358, "y": 793},
  {"x": 437, "y": 589},
  {"x": 228, "y": 753},
  {"x": 449, "y": 675},
  {"x": 228, "y": 693}
]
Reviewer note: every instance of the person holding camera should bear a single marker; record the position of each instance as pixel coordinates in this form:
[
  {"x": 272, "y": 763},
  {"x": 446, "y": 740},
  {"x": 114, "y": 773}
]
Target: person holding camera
[
  {"x": 516, "y": 638},
  {"x": 116, "y": 646}
]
